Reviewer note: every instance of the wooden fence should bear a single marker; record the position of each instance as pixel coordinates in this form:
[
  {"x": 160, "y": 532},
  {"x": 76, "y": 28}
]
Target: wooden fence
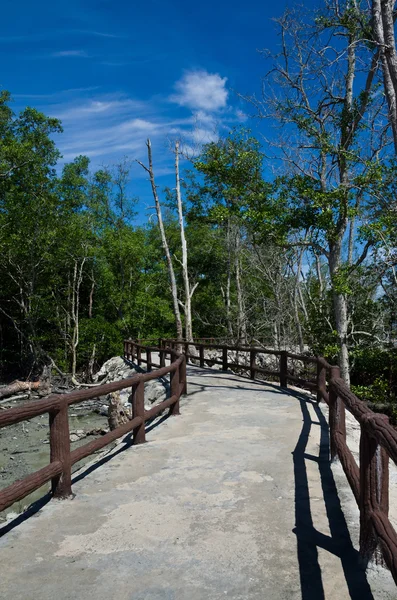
[
  {"x": 369, "y": 480},
  {"x": 59, "y": 471}
]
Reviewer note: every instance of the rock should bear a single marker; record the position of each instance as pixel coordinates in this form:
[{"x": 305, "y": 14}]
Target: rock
[
  {"x": 117, "y": 368},
  {"x": 76, "y": 435},
  {"x": 118, "y": 414},
  {"x": 114, "y": 369}
]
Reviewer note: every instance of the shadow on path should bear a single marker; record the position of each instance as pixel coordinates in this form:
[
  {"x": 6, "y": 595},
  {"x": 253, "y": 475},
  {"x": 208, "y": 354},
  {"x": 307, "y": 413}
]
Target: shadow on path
[
  {"x": 308, "y": 538},
  {"x": 81, "y": 473}
]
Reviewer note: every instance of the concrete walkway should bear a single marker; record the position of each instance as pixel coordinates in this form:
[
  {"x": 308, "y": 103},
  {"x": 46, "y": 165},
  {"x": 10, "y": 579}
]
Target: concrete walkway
[{"x": 235, "y": 498}]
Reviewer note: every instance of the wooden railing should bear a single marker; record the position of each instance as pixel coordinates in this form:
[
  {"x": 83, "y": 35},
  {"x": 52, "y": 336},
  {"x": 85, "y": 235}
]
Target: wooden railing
[
  {"x": 369, "y": 480},
  {"x": 59, "y": 471}
]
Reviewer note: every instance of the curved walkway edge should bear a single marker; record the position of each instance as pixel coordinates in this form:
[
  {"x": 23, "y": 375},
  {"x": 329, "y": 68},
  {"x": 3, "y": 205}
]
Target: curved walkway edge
[{"x": 234, "y": 498}]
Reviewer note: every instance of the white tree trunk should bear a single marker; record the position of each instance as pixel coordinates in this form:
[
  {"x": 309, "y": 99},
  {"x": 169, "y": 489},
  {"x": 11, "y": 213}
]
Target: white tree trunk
[
  {"x": 188, "y": 293},
  {"x": 171, "y": 273},
  {"x": 228, "y": 282},
  {"x": 241, "y": 320},
  {"x": 383, "y": 28}
]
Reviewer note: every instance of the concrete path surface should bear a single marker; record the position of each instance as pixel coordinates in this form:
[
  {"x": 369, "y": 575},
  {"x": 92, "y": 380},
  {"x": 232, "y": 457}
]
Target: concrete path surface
[{"x": 234, "y": 498}]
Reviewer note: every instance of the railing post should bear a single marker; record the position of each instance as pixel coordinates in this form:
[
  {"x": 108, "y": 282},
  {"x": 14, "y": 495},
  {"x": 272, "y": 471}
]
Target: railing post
[
  {"x": 374, "y": 487},
  {"x": 201, "y": 350},
  {"x": 321, "y": 380},
  {"x": 224, "y": 358},
  {"x": 252, "y": 363},
  {"x": 137, "y": 400},
  {"x": 182, "y": 376},
  {"x": 162, "y": 357},
  {"x": 337, "y": 417},
  {"x": 132, "y": 351},
  {"x": 283, "y": 369},
  {"x": 174, "y": 376},
  {"x": 61, "y": 485},
  {"x": 186, "y": 345},
  {"x": 149, "y": 360},
  {"x": 139, "y": 355}
]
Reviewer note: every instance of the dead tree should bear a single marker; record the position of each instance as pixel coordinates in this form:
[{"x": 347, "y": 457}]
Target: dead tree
[
  {"x": 171, "y": 272},
  {"x": 189, "y": 290}
]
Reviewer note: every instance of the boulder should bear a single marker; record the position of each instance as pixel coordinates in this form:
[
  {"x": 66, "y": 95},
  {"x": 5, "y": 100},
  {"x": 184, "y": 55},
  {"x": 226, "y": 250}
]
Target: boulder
[{"x": 118, "y": 368}]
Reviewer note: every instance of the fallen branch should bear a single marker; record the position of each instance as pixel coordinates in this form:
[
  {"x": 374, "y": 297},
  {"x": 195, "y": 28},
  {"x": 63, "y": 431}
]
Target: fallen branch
[
  {"x": 78, "y": 384},
  {"x": 17, "y": 397},
  {"x": 19, "y": 386}
]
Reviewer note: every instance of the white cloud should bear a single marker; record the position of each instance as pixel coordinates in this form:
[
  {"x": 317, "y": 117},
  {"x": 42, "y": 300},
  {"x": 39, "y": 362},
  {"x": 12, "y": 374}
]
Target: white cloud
[
  {"x": 105, "y": 127},
  {"x": 241, "y": 116},
  {"x": 200, "y": 90},
  {"x": 116, "y": 107},
  {"x": 70, "y": 53}
]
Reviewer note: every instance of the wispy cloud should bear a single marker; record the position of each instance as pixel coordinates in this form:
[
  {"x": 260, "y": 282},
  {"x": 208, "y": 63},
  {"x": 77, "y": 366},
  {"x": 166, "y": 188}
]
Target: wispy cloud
[
  {"x": 99, "y": 33},
  {"x": 105, "y": 127},
  {"x": 108, "y": 126},
  {"x": 110, "y": 106},
  {"x": 61, "y": 94},
  {"x": 200, "y": 90},
  {"x": 70, "y": 53},
  {"x": 56, "y": 33}
]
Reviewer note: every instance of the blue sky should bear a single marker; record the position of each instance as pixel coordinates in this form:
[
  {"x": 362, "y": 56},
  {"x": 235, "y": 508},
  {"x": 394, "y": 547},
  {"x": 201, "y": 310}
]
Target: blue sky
[{"x": 118, "y": 72}]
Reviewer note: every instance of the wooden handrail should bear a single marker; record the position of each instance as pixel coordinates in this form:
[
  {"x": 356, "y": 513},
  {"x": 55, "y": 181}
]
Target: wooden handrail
[
  {"x": 56, "y": 405},
  {"x": 369, "y": 481}
]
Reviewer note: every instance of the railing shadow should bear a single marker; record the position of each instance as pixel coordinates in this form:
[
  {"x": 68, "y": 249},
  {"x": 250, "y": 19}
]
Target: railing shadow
[
  {"x": 309, "y": 540},
  {"x": 82, "y": 472}
]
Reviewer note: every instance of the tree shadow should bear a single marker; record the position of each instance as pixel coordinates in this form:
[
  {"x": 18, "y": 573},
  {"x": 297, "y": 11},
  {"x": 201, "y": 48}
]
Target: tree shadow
[{"x": 308, "y": 538}]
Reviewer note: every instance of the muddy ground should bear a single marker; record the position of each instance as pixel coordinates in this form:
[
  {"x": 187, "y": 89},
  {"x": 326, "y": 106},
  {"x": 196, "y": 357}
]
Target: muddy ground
[{"x": 25, "y": 448}]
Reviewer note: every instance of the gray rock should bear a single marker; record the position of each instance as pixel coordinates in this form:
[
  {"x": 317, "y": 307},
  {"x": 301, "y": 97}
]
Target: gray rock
[{"x": 116, "y": 369}]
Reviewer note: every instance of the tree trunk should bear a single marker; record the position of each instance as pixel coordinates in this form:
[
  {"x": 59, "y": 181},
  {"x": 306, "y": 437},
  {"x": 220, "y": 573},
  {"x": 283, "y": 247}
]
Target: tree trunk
[
  {"x": 241, "y": 321},
  {"x": 171, "y": 273},
  {"x": 298, "y": 296},
  {"x": 383, "y": 28},
  {"x": 18, "y": 386},
  {"x": 77, "y": 281},
  {"x": 91, "y": 298},
  {"x": 188, "y": 295},
  {"x": 228, "y": 282},
  {"x": 340, "y": 310}
]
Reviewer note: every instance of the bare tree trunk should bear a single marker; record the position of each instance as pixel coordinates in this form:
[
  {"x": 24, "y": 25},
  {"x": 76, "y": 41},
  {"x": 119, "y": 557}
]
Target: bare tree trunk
[
  {"x": 299, "y": 297},
  {"x": 340, "y": 311},
  {"x": 241, "y": 320},
  {"x": 228, "y": 282},
  {"x": 351, "y": 242},
  {"x": 171, "y": 273},
  {"x": 77, "y": 281},
  {"x": 18, "y": 386},
  {"x": 91, "y": 298},
  {"x": 319, "y": 275},
  {"x": 188, "y": 292},
  {"x": 383, "y": 28},
  {"x": 91, "y": 363}
]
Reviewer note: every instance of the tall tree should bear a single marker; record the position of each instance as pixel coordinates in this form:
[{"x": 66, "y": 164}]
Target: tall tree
[
  {"x": 189, "y": 290},
  {"x": 334, "y": 136},
  {"x": 232, "y": 170},
  {"x": 171, "y": 272},
  {"x": 383, "y": 17}
]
